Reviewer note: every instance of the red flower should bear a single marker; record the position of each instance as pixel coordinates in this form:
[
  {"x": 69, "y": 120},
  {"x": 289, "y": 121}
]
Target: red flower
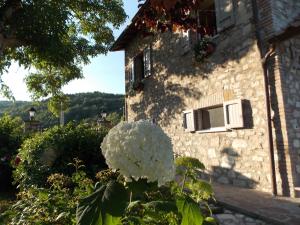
[{"x": 17, "y": 160}]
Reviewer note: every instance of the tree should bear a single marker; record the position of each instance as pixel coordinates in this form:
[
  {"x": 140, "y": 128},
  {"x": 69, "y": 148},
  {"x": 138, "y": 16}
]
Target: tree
[
  {"x": 114, "y": 118},
  {"x": 55, "y": 37},
  {"x": 58, "y": 103}
]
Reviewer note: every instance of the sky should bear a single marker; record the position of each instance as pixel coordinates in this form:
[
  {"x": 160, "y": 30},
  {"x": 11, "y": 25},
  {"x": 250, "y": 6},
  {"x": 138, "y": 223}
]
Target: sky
[{"x": 105, "y": 73}]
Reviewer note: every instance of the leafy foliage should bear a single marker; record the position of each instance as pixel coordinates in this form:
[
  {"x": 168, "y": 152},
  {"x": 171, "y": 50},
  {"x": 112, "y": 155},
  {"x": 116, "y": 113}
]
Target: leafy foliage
[
  {"x": 188, "y": 168},
  {"x": 11, "y": 136},
  {"x": 83, "y": 106},
  {"x": 148, "y": 204},
  {"x": 55, "y": 205},
  {"x": 190, "y": 163},
  {"x": 189, "y": 210},
  {"x": 55, "y": 37},
  {"x": 51, "y": 152},
  {"x": 105, "y": 206}
]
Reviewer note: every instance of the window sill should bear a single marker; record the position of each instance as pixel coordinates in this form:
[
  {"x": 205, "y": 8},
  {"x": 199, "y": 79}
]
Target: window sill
[{"x": 213, "y": 130}]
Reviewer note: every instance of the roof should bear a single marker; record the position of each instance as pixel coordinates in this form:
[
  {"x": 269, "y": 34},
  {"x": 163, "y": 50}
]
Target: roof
[
  {"x": 292, "y": 29},
  {"x": 129, "y": 33}
]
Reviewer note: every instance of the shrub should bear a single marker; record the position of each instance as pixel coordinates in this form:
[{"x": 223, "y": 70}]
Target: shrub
[
  {"x": 144, "y": 192},
  {"x": 53, "y": 150},
  {"x": 55, "y": 205},
  {"x": 11, "y": 135}
]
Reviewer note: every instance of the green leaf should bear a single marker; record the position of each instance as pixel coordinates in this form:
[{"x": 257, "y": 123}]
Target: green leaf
[
  {"x": 89, "y": 209},
  {"x": 134, "y": 220},
  {"x": 104, "y": 207},
  {"x": 165, "y": 206},
  {"x": 210, "y": 221},
  {"x": 201, "y": 189},
  {"x": 190, "y": 211},
  {"x": 189, "y": 162},
  {"x": 115, "y": 199},
  {"x": 133, "y": 205},
  {"x": 43, "y": 195},
  {"x": 61, "y": 215},
  {"x": 140, "y": 186},
  {"x": 111, "y": 220}
]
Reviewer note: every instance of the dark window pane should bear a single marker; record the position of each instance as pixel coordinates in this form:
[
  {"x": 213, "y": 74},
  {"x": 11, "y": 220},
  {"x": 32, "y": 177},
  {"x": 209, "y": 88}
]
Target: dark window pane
[
  {"x": 139, "y": 67},
  {"x": 213, "y": 117}
]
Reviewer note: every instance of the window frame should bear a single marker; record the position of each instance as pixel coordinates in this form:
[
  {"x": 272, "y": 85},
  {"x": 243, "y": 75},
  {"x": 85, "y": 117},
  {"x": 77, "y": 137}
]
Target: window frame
[
  {"x": 238, "y": 123},
  {"x": 212, "y": 129},
  {"x": 144, "y": 55}
]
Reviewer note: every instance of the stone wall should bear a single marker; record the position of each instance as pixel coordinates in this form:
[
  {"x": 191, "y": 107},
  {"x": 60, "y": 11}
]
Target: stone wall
[
  {"x": 234, "y": 218},
  {"x": 289, "y": 69},
  {"x": 238, "y": 157}
]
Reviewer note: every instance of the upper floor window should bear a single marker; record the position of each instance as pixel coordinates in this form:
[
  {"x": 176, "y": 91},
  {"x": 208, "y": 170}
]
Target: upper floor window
[
  {"x": 141, "y": 65},
  {"x": 214, "y": 16},
  {"x": 206, "y": 19}
]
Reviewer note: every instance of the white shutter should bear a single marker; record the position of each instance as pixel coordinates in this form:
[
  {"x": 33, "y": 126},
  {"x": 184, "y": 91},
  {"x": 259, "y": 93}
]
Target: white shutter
[
  {"x": 233, "y": 114},
  {"x": 147, "y": 61},
  {"x": 131, "y": 77},
  {"x": 189, "y": 121},
  {"x": 186, "y": 42},
  {"x": 225, "y": 14}
]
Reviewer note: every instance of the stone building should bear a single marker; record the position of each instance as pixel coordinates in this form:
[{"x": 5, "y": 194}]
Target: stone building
[{"x": 238, "y": 110}]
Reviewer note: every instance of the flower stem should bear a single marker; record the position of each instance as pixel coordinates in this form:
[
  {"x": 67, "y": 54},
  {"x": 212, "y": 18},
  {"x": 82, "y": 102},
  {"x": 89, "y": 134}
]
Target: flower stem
[
  {"x": 130, "y": 197},
  {"x": 183, "y": 183}
]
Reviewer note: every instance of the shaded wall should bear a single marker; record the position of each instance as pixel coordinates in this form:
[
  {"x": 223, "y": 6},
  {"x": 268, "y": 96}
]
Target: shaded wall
[
  {"x": 283, "y": 13},
  {"x": 289, "y": 76}
]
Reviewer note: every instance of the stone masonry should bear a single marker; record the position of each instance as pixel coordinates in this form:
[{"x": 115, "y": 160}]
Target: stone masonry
[
  {"x": 233, "y": 218},
  {"x": 239, "y": 157}
]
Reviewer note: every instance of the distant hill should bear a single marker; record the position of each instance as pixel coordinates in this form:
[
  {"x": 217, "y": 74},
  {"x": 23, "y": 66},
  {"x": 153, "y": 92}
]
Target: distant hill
[{"x": 83, "y": 106}]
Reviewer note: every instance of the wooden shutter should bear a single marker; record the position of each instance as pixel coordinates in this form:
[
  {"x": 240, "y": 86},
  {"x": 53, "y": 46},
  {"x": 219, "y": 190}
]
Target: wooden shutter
[
  {"x": 189, "y": 121},
  {"x": 147, "y": 61},
  {"x": 225, "y": 14},
  {"x": 199, "y": 120},
  {"x": 233, "y": 114}
]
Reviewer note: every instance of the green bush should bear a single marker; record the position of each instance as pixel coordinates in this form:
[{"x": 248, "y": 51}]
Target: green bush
[
  {"x": 11, "y": 135},
  {"x": 53, "y": 150},
  {"x": 55, "y": 205}
]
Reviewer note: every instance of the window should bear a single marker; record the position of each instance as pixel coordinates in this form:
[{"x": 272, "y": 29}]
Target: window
[
  {"x": 138, "y": 63},
  {"x": 228, "y": 115},
  {"x": 214, "y": 16},
  {"x": 140, "y": 67},
  {"x": 206, "y": 19},
  {"x": 210, "y": 118}
]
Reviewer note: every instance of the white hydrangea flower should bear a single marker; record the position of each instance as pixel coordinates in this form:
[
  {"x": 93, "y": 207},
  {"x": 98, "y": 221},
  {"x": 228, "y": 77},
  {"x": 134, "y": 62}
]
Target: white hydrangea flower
[{"x": 140, "y": 150}]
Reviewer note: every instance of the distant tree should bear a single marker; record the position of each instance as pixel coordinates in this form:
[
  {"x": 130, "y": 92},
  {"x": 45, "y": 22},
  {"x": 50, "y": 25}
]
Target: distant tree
[
  {"x": 58, "y": 103},
  {"x": 114, "y": 118},
  {"x": 55, "y": 37}
]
